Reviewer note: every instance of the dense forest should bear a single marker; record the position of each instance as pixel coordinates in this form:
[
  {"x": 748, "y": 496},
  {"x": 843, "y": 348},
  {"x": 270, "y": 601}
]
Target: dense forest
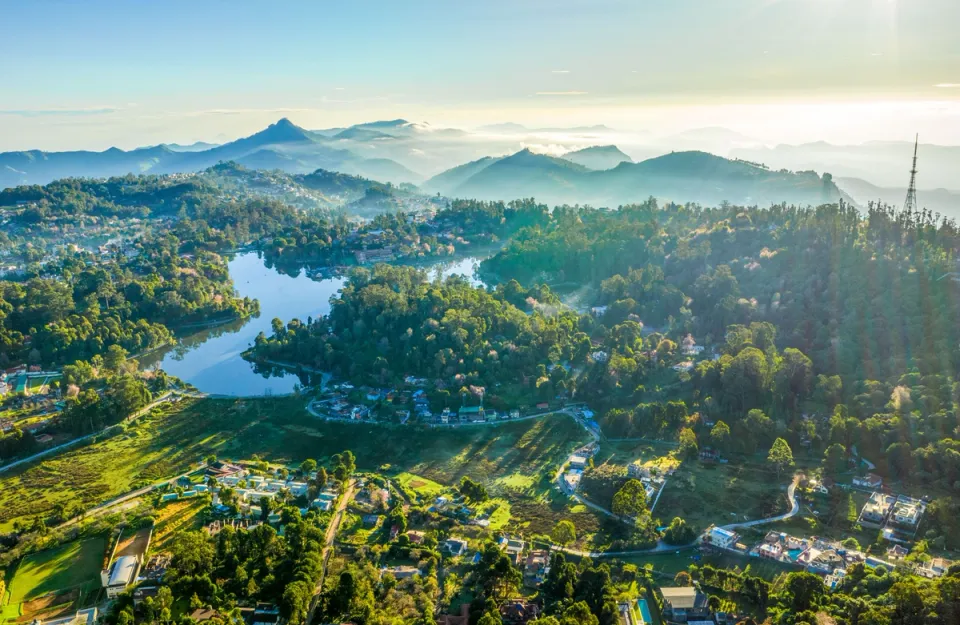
[{"x": 795, "y": 349}]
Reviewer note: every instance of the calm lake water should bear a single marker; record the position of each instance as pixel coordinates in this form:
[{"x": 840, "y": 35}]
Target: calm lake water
[{"x": 210, "y": 359}]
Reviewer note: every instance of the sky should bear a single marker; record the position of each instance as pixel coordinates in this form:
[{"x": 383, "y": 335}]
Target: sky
[{"x": 96, "y": 74}]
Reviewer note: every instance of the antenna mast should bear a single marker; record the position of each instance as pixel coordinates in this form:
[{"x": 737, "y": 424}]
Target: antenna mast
[{"x": 910, "y": 204}]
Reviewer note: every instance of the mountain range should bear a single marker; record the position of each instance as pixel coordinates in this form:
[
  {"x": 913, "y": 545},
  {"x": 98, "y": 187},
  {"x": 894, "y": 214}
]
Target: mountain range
[
  {"x": 504, "y": 161},
  {"x": 282, "y": 145},
  {"x": 679, "y": 176}
]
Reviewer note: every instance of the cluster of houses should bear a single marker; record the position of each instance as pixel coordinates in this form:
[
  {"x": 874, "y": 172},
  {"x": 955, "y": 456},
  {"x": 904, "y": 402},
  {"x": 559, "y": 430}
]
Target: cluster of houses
[
  {"x": 898, "y": 516},
  {"x": 817, "y": 555},
  {"x": 250, "y": 490},
  {"x": 407, "y": 404}
]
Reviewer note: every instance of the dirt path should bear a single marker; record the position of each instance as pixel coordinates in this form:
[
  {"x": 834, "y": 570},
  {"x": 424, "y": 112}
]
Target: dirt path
[{"x": 328, "y": 544}]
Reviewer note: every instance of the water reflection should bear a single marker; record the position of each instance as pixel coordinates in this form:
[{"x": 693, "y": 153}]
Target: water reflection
[{"x": 210, "y": 359}]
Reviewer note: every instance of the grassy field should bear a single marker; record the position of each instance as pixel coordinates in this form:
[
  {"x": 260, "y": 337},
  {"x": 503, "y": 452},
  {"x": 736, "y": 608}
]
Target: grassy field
[
  {"x": 183, "y": 515},
  {"x": 515, "y": 460},
  {"x": 67, "y": 566},
  {"x": 716, "y": 493},
  {"x": 667, "y": 565},
  {"x": 424, "y": 489}
]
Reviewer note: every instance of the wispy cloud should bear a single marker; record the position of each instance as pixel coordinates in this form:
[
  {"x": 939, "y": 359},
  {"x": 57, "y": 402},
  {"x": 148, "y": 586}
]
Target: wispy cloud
[
  {"x": 948, "y": 85},
  {"x": 561, "y": 93},
  {"x": 245, "y": 111},
  {"x": 560, "y": 71},
  {"x": 100, "y": 110}
]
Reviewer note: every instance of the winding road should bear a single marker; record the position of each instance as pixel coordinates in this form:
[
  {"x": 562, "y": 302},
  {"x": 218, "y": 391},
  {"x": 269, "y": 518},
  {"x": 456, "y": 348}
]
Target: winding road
[{"x": 661, "y": 546}]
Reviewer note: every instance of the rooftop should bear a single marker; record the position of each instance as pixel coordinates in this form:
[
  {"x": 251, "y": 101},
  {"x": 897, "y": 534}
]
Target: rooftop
[
  {"x": 681, "y": 598},
  {"x": 124, "y": 569}
]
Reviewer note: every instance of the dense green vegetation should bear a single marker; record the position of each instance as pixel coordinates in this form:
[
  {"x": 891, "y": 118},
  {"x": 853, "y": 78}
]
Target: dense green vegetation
[{"x": 391, "y": 322}]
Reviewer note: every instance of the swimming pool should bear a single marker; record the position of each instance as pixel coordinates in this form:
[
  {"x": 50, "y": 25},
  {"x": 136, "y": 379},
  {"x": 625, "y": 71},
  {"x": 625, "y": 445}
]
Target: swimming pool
[{"x": 644, "y": 610}]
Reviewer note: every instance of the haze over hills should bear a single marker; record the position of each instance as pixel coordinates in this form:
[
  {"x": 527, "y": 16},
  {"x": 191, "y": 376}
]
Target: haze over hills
[
  {"x": 457, "y": 162},
  {"x": 680, "y": 176},
  {"x": 882, "y": 163},
  {"x": 282, "y": 145},
  {"x": 598, "y": 157},
  {"x": 941, "y": 201}
]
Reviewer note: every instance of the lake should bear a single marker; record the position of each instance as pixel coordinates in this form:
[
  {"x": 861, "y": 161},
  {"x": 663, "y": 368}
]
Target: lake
[{"x": 210, "y": 359}]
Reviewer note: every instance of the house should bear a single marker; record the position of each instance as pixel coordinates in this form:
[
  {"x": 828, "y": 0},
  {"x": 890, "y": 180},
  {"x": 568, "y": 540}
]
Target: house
[
  {"x": 897, "y": 552},
  {"x": 826, "y": 560},
  {"x": 322, "y": 504},
  {"x": 876, "y": 509},
  {"x": 869, "y": 481},
  {"x": 120, "y": 575},
  {"x": 719, "y": 537},
  {"x": 935, "y": 567},
  {"x": 455, "y": 546},
  {"x": 446, "y": 415},
  {"x": 265, "y": 614},
  {"x": 572, "y": 479},
  {"x": 370, "y": 520},
  {"x": 223, "y": 469},
  {"x": 381, "y": 255},
  {"x": 401, "y": 572},
  {"x": 536, "y": 567},
  {"x": 81, "y": 617},
  {"x": 578, "y": 462},
  {"x": 205, "y": 614},
  {"x": 518, "y": 611},
  {"x": 681, "y": 605},
  {"x": 637, "y": 470},
  {"x": 415, "y": 536},
  {"x": 142, "y": 592},
  {"x": 907, "y": 512},
  {"x": 472, "y": 414},
  {"x": 770, "y": 550},
  {"x": 686, "y": 365},
  {"x": 513, "y": 547},
  {"x": 834, "y": 579}
]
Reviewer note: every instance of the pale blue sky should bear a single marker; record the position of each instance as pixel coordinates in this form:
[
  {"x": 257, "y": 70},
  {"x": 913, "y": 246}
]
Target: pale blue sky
[{"x": 96, "y": 73}]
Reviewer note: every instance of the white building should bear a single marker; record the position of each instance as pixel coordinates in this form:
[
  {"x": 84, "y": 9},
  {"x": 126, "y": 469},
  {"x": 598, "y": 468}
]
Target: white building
[
  {"x": 719, "y": 537},
  {"x": 120, "y": 575}
]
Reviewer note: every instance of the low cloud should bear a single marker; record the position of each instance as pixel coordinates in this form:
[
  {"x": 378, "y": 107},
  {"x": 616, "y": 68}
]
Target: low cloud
[
  {"x": 561, "y": 93},
  {"x": 948, "y": 85},
  {"x": 560, "y": 71}
]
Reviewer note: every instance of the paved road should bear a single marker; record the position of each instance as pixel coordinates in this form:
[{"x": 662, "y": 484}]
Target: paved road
[
  {"x": 328, "y": 546},
  {"x": 46, "y": 452},
  {"x": 794, "y": 508}
]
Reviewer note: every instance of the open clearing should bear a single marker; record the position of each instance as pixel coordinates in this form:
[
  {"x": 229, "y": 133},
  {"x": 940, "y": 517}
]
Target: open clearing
[
  {"x": 133, "y": 543},
  {"x": 75, "y": 565},
  {"x": 721, "y": 493}
]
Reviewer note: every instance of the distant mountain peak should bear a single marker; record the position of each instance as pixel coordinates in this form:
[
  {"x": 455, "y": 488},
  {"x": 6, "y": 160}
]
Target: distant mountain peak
[{"x": 282, "y": 131}]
